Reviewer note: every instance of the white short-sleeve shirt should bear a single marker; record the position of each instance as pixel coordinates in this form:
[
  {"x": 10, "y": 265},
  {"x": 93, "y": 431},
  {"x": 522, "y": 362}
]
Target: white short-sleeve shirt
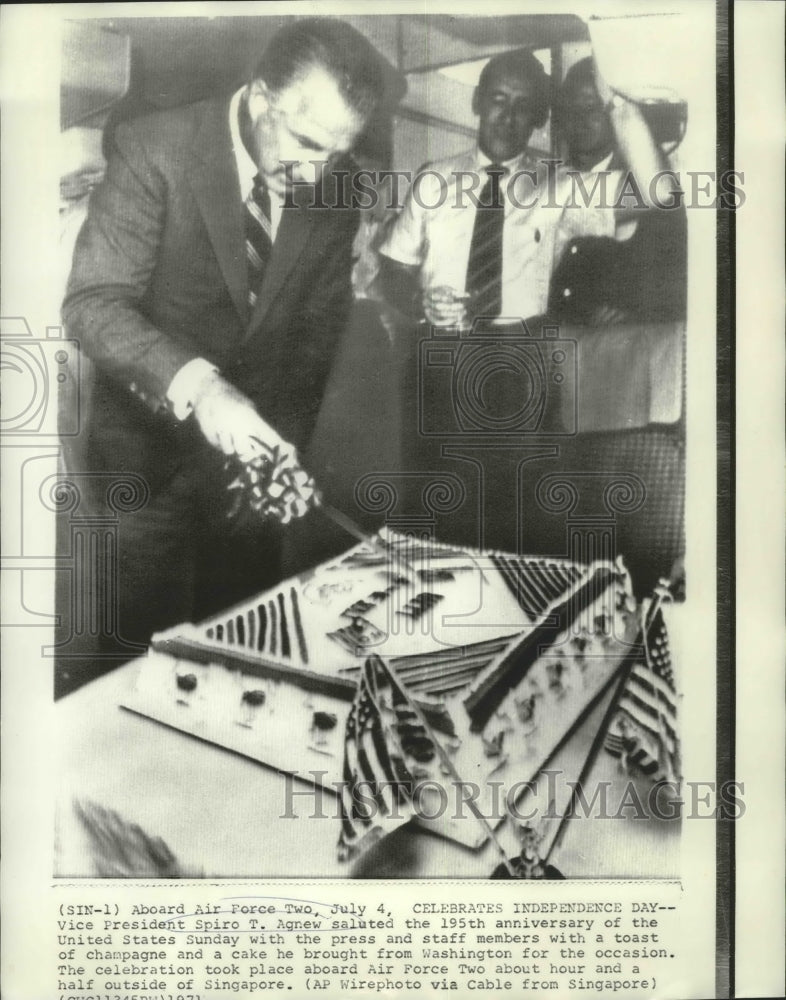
[{"x": 542, "y": 213}]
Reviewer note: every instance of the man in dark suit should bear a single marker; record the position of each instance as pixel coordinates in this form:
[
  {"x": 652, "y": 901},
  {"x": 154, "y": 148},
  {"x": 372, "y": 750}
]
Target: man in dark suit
[{"x": 210, "y": 294}]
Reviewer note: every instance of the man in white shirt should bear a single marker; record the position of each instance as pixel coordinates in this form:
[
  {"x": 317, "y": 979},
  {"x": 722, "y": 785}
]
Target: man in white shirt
[{"x": 430, "y": 247}]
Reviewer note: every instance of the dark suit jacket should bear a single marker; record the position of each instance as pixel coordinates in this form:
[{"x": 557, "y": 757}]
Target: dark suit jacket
[
  {"x": 645, "y": 276},
  {"x": 159, "y": 277}
]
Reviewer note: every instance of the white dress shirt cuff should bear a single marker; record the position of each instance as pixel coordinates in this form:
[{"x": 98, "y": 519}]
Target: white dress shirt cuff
[{"x": 183, "y": 386}]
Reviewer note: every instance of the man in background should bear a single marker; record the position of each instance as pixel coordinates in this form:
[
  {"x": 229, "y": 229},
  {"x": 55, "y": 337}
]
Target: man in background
[
  {"x": 478, "y": 239},
  {"x": 481, "y": 233},
  {"x": 434, "y": 260},
  {"x": 639, "y": 275},
  {"x": 210, "y": 298}
]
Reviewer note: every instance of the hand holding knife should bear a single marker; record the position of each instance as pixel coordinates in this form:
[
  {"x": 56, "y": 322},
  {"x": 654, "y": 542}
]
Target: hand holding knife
[{"x": 273, "y": 484}]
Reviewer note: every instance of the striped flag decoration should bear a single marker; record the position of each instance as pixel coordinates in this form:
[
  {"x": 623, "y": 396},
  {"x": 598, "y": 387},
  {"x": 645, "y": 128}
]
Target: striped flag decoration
[
  {"x": 382, "y": 733},
  {"x": 644, "y": 731},
  {"x": 536, "y": 583},
  {"x": 273, "y": 627}
]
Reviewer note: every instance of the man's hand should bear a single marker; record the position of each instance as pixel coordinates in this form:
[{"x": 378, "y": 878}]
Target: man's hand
[
  {"x": 634, "y": 141},
  {"x": 444, "y": 306},
  {"x": 230, "y": 422},
  {"x": 271, "y": 487}
]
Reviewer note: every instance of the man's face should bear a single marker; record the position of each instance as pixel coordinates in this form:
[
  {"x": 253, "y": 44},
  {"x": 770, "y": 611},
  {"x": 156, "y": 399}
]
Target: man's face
[
  {"x": 585, "y": 123},
  {"x": 306, "y": 120},
  {"x": 507, "y": 111}
]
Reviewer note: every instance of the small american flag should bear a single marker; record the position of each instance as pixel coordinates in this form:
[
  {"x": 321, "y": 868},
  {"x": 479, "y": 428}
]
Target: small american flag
[
  {"x": 382, "y": 732},
  {"x": 644, "y": 730}
]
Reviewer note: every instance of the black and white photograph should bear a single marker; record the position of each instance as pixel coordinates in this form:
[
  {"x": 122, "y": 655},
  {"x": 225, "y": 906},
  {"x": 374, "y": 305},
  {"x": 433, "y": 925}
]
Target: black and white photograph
[{"x": 375, "y": 431}]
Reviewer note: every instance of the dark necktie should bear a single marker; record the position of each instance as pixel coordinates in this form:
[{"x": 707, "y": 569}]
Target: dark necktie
[
  {"x": 259, "y": 237},
  {"x": 484, "y": 270}
]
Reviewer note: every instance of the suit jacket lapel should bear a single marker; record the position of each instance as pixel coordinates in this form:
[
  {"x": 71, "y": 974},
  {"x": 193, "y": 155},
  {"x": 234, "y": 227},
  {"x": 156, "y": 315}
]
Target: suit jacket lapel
[
  {"x": 213, "y": 177},
  {"x": 293, "y": 235}
]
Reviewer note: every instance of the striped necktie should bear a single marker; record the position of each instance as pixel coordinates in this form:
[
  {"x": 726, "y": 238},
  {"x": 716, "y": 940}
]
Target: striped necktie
[
  {"x": 484, "y": 270},
  {"x": 259, "y": 237}
]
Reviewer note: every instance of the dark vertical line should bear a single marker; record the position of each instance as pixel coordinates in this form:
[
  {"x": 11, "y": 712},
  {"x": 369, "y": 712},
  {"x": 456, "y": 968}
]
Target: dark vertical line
[
  {"x": 557, "y": 77},
  {"x": 81, "y": 581},
  {"x": 725, "y": 572},
  {"x": 271, "y": 609},
  {"x": 111, "y": 587},
  {"x": 286, "y": 648},
  {"x": 262, "y": 611},
  {"x": 94, "y": 562},
  {"x": 301, "y": 636}
]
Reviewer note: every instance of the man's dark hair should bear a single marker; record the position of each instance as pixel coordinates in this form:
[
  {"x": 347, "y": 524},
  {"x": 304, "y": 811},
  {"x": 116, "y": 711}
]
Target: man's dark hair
[
  {"x": 580, "y": 74},
  {"x": 525, "y": 65},
  {"x": 333, "y": 45}
]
